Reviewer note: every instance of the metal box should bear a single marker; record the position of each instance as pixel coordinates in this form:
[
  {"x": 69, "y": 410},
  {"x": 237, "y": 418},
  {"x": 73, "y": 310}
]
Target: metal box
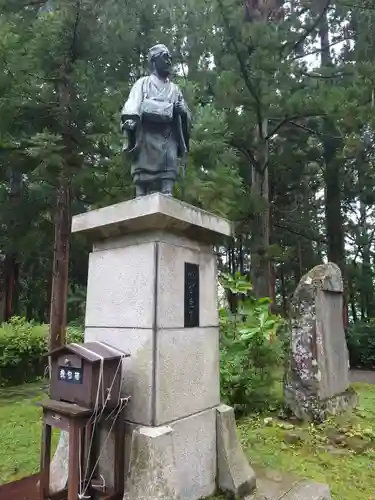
[{"x": 86, "y": 374}]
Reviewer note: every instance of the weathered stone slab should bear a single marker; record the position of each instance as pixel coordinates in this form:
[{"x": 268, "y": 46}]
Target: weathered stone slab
[
  {"x": 139, "y": 282},
  {"x": 152, "y": 467},
  {"x": 195, "y": 454},
  {"x": 187, "y": 372},
  {"x": 59, "y": 464},
  {"x": 137, "y": 369},
  {"x": 275, "y": 485},
  {"x": 332, "y": 352},
  {"x": 194, "y": 440},
  {"x": 149, "y": 213},
  {"x": 309, "y": 491},
  {"x": 311, "y": 408},
  {"x": 121, "y": 287},
  {"x": 234, "y": 472},
  {"x": 318, "y": 379},
  {"x": 171, "y": 278}
]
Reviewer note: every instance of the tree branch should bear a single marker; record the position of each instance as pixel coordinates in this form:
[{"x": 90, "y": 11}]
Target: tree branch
[
  {"x": 246, "y": 152},
  {"x": 325, "y": 77},
  {"x": 315, "y": 132},
  {"x": 73, "y": 49},
  {"x": 317, "y": 51},
  {"x": 289, "y": 119},
  {"x": 243, "y": 69},
  {"x": 35, "y": 3},
  {"x": 317, "y": 238},
  {"x": 310, "y": 29}
]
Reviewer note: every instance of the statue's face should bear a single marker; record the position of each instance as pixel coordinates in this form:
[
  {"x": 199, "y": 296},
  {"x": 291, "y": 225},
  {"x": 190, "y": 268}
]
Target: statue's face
[{"x": 163, "y": 64}]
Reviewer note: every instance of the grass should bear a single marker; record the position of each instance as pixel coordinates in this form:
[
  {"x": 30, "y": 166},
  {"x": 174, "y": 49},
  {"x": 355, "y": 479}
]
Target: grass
[
  {"x": 20, "y": 431},
  {"x": 341, "y": 452}
]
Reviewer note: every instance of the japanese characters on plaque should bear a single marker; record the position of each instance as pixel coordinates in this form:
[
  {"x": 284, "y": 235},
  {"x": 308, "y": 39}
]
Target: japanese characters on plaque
[
  {"x": 191, "y": 302},
  {"x": 70, "y": 375}
]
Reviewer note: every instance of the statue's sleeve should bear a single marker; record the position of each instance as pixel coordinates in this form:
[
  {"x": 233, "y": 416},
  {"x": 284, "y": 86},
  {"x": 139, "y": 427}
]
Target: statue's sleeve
[
  {"x": 185, "y": 121},
  {"x": 180, "y": 97},
  {"x": 132, "y": 107}
]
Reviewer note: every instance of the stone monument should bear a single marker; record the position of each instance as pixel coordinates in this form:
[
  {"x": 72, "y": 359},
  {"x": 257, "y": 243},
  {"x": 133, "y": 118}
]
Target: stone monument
[
  {"x": 152, "y": 292},
  {"x": 156, "y": 122},
  {"x": 318, "y": 380}
]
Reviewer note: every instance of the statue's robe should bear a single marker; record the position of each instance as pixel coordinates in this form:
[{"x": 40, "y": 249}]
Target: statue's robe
[{"x": 155, "y": 147}]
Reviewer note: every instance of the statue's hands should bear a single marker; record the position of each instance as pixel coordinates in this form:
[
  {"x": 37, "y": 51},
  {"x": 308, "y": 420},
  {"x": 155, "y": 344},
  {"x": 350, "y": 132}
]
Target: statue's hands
[
  {"x": 179, "y": 107},
  {"x": 129, "y": 124}
]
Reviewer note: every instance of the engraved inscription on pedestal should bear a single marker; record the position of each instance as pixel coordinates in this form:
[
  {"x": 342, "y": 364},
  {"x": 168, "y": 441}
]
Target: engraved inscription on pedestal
[{"x": 191, "y": 302}]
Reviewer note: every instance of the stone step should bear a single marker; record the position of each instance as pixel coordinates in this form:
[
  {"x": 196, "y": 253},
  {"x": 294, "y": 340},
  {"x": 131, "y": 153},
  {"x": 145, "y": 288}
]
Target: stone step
[{"x": 272, "y": 485}]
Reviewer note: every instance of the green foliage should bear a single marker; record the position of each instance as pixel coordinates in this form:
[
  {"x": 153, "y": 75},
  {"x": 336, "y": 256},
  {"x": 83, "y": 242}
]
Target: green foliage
[
  {"x": 23, "y": 345},
  {"x": 250, "y": 351},
  {"x": 361, "y": 344}
]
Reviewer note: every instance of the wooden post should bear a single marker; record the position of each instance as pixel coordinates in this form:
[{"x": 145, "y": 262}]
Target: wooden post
[
  {"x": 74, "y": 464},
  {"x": 119, "y": 481},
  {"x": 45, "y": 461}
]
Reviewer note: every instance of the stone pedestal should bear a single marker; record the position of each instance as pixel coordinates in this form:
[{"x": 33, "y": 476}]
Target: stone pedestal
[{"x": 152, "y": 292}]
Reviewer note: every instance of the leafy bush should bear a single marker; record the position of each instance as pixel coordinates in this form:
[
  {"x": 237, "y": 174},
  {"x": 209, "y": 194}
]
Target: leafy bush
[
  {"x": 251, "y": 352},
  {"x": 23, "y": 345},
  {"x": 361, "y": 344}
]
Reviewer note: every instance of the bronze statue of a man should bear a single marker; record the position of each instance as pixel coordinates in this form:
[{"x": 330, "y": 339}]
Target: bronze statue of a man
[{"x": 156, "y": 121}]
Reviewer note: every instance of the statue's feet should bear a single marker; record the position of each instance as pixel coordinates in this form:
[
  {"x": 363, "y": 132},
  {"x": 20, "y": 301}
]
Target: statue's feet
[
  {"x": 167, "y": 188},
  {"x": 140, "y": 191}
]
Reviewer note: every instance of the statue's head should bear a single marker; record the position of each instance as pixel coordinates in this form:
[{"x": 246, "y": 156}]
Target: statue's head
[{"x": 160, "y": 60}]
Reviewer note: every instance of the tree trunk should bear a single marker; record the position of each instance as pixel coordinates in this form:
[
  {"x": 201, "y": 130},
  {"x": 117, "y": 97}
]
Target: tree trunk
[
  {"x": 283, "y": 293},
  {"x": 332, "y": 173},
  {"x": 260, "y": 266},
  {"x": 11, "y": 269},
  {"x": 63, "y": 217},
  {"x": 352, "y": 301},
  {"x": 2, "y": 288},
  {"x": 331, "y": 144},
  {"x": 367, "y": 289},
  {"x": 60, "y": 265},
  {"x": 10, "y": 264}
]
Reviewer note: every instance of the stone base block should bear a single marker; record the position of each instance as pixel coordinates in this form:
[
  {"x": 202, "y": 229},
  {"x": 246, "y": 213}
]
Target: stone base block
[
  {"x": 152, "y": 467},
  {"x": 193, "y": 441},
  {"x": 59, "y": 464},
  {"x": 186, "y": 460},
  {"x": 234, "y": 472},
  {"x": 196, "y": 454},
  {"x": 309, "y": 408}
]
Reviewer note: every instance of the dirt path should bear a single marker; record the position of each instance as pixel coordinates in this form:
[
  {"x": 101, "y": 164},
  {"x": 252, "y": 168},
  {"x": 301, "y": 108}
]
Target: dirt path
[
  {"x": 364, "y": 376},
  {"x": 25, "y": 489}
]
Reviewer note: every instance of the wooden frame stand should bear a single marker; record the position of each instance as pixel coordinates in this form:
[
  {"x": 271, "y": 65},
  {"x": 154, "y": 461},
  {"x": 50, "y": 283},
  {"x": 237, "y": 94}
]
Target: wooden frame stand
[{"x": 79, "y": 422}]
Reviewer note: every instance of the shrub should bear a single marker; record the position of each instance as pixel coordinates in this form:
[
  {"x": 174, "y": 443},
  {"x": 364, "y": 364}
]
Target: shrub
[
  {"x": 361, "y": 344},
  {"x": 251, "y": 352},
  {"x": 23, "y": 345}
]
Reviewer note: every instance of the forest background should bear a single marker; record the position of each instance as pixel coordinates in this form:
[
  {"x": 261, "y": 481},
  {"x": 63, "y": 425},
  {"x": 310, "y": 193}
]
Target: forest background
[{"x": 283, "y": 144}]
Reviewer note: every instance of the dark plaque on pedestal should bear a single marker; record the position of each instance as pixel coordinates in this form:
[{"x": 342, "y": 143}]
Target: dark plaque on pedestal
[{"x": 191, "y": 295}]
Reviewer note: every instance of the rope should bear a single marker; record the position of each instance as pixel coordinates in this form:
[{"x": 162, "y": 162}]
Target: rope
[
  {"x": 97, "y": 418},
  {"x": 81, "y": 495},
  {"x": 123, "y": 403},
  {"x": 110, "y": 389},
  {"x": 97, "y": 415}
]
